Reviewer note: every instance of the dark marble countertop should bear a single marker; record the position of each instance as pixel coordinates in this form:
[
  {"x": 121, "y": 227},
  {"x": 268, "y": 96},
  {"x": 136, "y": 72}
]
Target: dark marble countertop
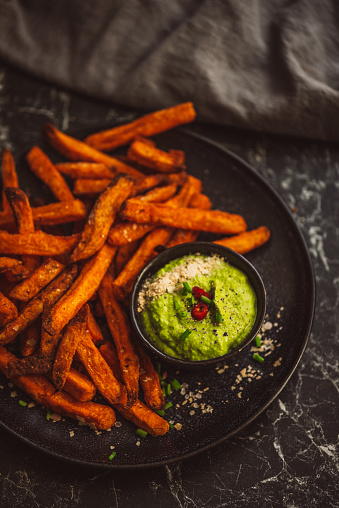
[{"x": 287, "y": 457}]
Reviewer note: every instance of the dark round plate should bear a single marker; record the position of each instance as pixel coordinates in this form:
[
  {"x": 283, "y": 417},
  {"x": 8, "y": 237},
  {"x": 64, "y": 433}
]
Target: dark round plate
[{"x": 218, "y": 403}]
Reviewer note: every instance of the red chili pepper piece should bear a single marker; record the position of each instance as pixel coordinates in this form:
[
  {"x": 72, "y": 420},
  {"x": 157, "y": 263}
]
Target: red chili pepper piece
[
  {"x": 199, "y": 311},
  {"x": 199, "y": 292}
]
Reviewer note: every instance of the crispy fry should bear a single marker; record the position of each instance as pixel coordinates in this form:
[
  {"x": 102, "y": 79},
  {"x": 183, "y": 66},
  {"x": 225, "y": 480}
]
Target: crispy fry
[
  {"x": 124, "y": 282},
  {"x": 42, "y": 391},
  {"x": 76, "y": 150},
  {"x": 127, "y": 232},
  {"x": 247, "y": 241},
  {"x": 9, "y": 264},
  {"x": 37, "y": 364},
  {"x": 109, "y": 352},
  {"x": 94, "y": 329},
  {"x": 198, "y": 200},
  {"x": 9, "y": 178},
  {"x": 102, "y": 217},
  {"x": 144, "y": 152},
  {"x": 150, "y": 383},
  {"x": 8, "y": 310},
  {"x": 79, "y": 385},
  {"x": 68, "y": 345},
  {"x": 158, "y": 194},
  {"x": 30, "y": 338},
  {"x": 124, "y": 254},
  {"x": 108, "y": 385},
  {"x": 43, "y": 168},
  {"x": 148, "y": 125},
  {"x": 81, "y": 291},
  {"x": 37, "y": 244},
  {"x": 89, "y": 186},
  {"x": 120, "y": 329},
  {"x": 24, "y": 220},
  {"x": 86, "y": 170},
  {"x": 214, "y": 221},
  {"x": 42, "y": 276},
  {"x": 35, "y": 307},
  {"x": 144, "y": 418}
]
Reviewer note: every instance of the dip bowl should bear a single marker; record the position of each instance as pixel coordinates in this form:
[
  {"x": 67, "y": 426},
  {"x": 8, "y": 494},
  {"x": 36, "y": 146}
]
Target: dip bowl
[{"x": 209, "y": 249}]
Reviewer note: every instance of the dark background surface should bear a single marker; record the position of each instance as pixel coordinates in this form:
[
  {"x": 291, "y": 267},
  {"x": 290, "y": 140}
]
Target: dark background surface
[{"x": 287, "y": 457}]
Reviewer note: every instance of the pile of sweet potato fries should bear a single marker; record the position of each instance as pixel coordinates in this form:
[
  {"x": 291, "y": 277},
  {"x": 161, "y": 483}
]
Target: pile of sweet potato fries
[{"x": 53, "y": 286}]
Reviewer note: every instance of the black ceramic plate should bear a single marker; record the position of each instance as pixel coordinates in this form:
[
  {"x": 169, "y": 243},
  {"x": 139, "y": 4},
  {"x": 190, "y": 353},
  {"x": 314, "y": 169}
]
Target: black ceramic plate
[{"x": 219, "y": 402}]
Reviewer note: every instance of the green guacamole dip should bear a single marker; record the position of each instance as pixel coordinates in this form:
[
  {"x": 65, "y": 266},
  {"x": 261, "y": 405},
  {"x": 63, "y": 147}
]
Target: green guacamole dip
[{"x": 165, "y": 307}]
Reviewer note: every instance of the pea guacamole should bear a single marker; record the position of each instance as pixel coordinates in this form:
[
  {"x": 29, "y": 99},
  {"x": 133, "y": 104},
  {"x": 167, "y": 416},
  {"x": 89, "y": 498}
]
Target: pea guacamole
[{"x": 166, "y": 307}]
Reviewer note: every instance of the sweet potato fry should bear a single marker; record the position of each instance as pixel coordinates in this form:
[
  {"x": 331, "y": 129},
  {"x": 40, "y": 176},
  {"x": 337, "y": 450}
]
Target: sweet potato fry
[
  {"x": 42, "y": 391},
  {"x": 109, "y": 352},
  {"x": 76, "y": 150},
  {"x": 150, "y": 383},
  {"x": 123, "y": 255},
  {"x": 124, "y": 282},
  {"x": 101, "y": 374},
  {"x": 37, "y": 244},
  {"x": 42, "y": 276},
  {"x": 8, "y": 310},
  {"x": 120, "y": 329},
  {"x": 245, "y": 242},
  {"x": 37, "y": 364},
  {"x": 9, "y": 264},
  {"x": 146, "y": 154},
  {"x": 89, "y": 186},
  {"x": 213, "y": 221},
  {"x": 79, "y": 385},
  {"x": 144, "y": 418},
  {"x": 30, "y": 338},
  {"x": 43, "y": 168},
  {"x": 200, "y": 201},
  {"x": 9, "y": 178},
  {"x": 68, "y": 346},
  {"x": 94, "y": 329},
  {"x": 158, "y": 194},
  {"x": 148, "y": 125},
  {"x": 22, "y": 212},
  {"x": 102, "y": 217},
  {"x": 35, "y": 307},
  {"x": 127, "y": 232},
  {"x": 81, "y": 291},
  {"x": 86, "y": 170}
]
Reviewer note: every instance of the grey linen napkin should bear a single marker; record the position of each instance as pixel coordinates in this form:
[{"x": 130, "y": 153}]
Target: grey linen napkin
[{"x": 267, "y": 65}]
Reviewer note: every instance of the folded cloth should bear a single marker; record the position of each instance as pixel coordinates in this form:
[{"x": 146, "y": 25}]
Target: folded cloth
[{"x": 268, "y": 65}]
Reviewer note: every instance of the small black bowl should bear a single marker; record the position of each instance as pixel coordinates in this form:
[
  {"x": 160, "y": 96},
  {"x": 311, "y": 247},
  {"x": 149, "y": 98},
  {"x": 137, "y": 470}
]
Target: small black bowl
[{"x": 206, "y": 248}]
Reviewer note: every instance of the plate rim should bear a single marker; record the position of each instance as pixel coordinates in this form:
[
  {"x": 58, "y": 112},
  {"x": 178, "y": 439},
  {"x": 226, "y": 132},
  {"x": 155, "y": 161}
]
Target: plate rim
[{"x": 254, "y": 173}]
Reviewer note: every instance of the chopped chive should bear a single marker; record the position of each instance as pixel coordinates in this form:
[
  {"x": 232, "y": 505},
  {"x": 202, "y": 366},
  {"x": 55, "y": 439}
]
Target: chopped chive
[
  {"x": 176, "y": 305},
  {"x": 48, "y": 415},
  {"x": 111, "y": 457},
  {"x": 187, "y": 287},
  {"x": 258, "y": 358},
  {"x": 205, "y": 299},
  {"x": 257, "y": 341},
  {"x": 168, "y": 405},
  {"x": 186, "y": 333},
  {"x": 141, "y": 433},
  {"x": 22, "y": 403},
  {"x": 159, "y": 412},
  {"x": 164, "y": 391},
  {"x": 183, "y": 314},
  {"x": 168, "y": 391},
  {"x": 175, "y": 384},
  {"x": 170, "y": 425},
  {"x": 189, "y": 301},
  {"x": 218, "y": 317}
]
